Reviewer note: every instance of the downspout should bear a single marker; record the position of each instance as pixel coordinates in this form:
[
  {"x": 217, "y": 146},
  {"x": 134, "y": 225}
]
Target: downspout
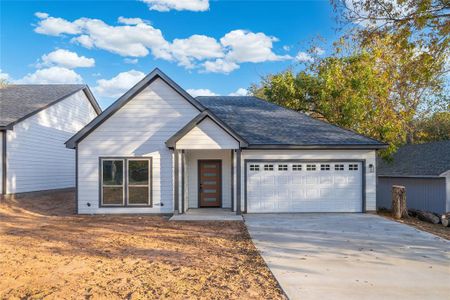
[{"x": 238, "y": 181}]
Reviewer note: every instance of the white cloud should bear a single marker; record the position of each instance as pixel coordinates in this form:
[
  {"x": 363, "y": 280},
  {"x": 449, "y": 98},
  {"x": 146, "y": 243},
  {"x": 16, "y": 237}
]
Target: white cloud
[
  {"x": 55, "y": 26},
  {"x": 135, "y": 37},
  {"x": 117, "y": 85},
  {"x": 200, "y": 92},
  {"x": 196, "y": 47},
  {"x": 131, "y": 61},
  {"x": 246, "y": 46},
  {"x": 220, "y": 66},
  {"x": 41, "y": 15},
  {"x": 167, "y": 5},
  {"x": 4, "y": 76},
  {"x": 51, "y": 75},
  {"x": 286, "y": 48},
  {"x": 239, "y": 92},
  {"x": 126, "y": 40},
  {"x": 67, "y": 59},
  {"x": 304, "y": 57},
  {"x": 132, "y": 39},
  {"x": 132, "y": 21},
  {"x": 318, "y": 51}
]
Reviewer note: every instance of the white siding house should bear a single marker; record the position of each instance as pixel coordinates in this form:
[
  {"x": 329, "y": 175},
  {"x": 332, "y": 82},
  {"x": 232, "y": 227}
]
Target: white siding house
[
  {"x": 36, "y": 158},
  {"x": 158, "y": 150}
]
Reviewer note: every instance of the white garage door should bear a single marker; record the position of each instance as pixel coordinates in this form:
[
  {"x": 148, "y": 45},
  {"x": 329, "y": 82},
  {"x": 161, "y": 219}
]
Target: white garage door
[{"x": 304, "y": 187}]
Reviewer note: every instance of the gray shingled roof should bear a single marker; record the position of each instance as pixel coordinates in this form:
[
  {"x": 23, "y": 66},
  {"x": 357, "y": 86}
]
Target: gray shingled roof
[
  {"x": 431, "y": 159},
  {"x": 263, "y": 123},
  {"x": 19, "y": 101}
]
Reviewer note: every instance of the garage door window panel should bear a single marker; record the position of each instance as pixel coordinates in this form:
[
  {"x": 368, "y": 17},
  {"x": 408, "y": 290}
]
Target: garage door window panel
[
  {"x": 339, "y": 167},
  {"x": 310, "y": 167},
  {"x": 282, "y": 167},
  {"x": 268, "y": 167},
  {"x": 325, "y": 167},
  {"x": 353, "y": 167},
  {"x": 296, "y": 167}
]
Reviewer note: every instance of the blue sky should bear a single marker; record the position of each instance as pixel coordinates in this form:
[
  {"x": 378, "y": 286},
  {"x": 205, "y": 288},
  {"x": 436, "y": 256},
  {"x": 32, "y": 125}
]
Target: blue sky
[{"x": 218, "y": 47}]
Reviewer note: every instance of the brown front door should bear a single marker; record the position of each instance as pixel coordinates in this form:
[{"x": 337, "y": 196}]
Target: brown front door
[{"x": 210, "y": 183}]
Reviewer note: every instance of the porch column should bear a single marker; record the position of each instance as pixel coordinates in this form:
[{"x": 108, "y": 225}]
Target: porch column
[
  {"x": 238, "y": 181},
  {"x": 176, "y": 181},
  {"x": 183, "y": 154}
]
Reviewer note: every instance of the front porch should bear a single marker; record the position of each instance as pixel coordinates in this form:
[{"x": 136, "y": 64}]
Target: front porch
[
  {"x": 207, "y": 214},
  {"x": 205, "y": 182},
  {"x": 207, "y": 169}
]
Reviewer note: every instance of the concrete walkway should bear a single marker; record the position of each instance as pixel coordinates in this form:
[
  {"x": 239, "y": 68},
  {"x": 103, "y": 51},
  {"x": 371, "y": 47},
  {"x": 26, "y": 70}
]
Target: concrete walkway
[
  {"x": 351, "y": 256},
  {"x": 207, "y": 214}
]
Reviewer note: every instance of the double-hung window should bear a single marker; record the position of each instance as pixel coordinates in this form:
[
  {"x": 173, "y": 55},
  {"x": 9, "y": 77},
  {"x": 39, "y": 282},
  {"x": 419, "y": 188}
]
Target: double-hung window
[{"x": 125, "y": 182}]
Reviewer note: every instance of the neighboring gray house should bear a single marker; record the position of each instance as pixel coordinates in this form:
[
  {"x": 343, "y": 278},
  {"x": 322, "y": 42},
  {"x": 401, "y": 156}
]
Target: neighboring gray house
[
  {"x": 159, "y": 150},
  {"x": 35, "y": 121},
  {"x": 424, "y": 169}
]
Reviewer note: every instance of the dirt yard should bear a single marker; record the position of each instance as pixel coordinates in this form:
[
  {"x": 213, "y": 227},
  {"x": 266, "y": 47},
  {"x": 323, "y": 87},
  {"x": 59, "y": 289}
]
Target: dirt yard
[
  {"x": 48, "y": 252},
  {"x": 436, "y": 229}
]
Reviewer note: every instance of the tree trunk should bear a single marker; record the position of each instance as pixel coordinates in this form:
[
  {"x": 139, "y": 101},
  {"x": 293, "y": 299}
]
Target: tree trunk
[
  {"x": 399, "y": 209},
  {"x": 445, "y": 220},
  {"x": 425, "y": 216}
]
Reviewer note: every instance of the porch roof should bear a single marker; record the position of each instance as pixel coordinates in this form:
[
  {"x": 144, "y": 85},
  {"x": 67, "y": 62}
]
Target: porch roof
[{"x": 218, "y": 134}]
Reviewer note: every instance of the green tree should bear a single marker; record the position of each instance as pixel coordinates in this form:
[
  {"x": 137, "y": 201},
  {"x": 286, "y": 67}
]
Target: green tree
[
  {"x": 375, "y": 89},
  {"x": 433, "y": 128}
]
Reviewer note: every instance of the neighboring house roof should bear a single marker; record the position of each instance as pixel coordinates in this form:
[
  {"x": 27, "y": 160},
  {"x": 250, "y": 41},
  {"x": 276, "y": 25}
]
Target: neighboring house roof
[
  {"x": 18, "y": 102},
  {"x": 146, "y": 81},
  {"x": 419, "y": 160},
  {"x": 264, "y": 124}
]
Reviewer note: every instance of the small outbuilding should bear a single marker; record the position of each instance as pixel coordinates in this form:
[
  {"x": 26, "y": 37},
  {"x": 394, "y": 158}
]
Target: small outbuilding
[
  {"x": 424, "y": 169},
  {"x": 35, "y": 121}
]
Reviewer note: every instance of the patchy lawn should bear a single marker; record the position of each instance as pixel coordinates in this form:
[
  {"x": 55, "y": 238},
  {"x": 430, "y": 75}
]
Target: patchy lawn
[
  {"x": 436, "y": 229},
  {"x": 47, "y": 251}
]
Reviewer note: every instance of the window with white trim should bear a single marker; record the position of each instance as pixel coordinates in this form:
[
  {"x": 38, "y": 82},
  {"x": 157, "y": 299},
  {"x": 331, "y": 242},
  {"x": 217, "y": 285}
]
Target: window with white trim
[
  {"x": 353, "y": 167},
  {"x": 296, "y": 167},
  {"x": 325, "y": 167},
  {"x": 282, "y": 167},
  {"x": 254, "y": 167},
  {"x": 268, "y": 167},
  {"x": 339, "y": 167},
  {"x": 310, "y": 167},
  {"x": 125, "y": 182}
]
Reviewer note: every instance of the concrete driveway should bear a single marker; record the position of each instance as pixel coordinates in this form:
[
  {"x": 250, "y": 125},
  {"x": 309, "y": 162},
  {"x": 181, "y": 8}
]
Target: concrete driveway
[{"x": 351, "y": 256}]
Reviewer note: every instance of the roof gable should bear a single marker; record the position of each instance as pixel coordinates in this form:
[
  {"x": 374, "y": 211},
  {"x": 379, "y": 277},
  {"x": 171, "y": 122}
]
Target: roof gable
[
  {"x": 124, "y": 99},
  {"x": 19, "y": 102},
  {"x": 197, "y": 123}
]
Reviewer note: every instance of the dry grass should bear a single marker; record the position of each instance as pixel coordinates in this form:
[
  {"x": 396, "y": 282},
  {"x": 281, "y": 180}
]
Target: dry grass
[{"x": 48, "y": 252}]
